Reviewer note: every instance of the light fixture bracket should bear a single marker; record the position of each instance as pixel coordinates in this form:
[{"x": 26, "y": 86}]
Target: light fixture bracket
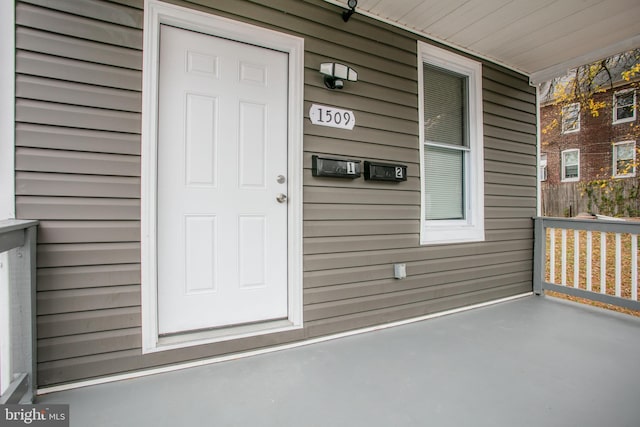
[{"x": 352, "y": 8}]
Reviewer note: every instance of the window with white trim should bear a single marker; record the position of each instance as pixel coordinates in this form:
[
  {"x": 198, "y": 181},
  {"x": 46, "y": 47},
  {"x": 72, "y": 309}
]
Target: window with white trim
[
  {"x": 624, "y": 106},
  {"x": 452, "y": 171},
  {"x": 543, "y": 167},
  {"x": 624, "y": 159},
  {"x": 571, "y": 165},
  {"x": 571, "y": 118}
]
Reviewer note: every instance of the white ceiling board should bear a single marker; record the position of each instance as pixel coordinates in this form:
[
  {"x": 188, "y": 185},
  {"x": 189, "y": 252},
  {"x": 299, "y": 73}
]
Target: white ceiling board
[
  {"x": 579, "y": 38},
  {"x": 514, "y": 13},
  {"x": 531, "y": 36},
  {"x": 467, "y": 14},
  {"x": 557, "y": 28}
]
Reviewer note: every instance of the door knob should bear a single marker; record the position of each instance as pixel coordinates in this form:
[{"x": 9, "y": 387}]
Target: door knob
[{"x": 281, "y": 198}]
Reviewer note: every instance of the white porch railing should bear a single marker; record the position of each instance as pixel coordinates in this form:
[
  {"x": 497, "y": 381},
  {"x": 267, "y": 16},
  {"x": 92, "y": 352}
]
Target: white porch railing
[
  {"x": 17, "y": 311},
  {"x": 593, "y": 259}
]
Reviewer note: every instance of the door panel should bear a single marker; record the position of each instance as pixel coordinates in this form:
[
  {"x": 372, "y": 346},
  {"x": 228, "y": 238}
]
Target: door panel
[{"x": 222, "y": 143}]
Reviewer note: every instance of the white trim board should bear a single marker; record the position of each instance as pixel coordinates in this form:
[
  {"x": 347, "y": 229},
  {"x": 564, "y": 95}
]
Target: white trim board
[
  {"x": 157, "y": 13},
  {"x": 7, "y": 173},
  {"x": 204, "y": 362},
  {"x": 7, "y": 110}
]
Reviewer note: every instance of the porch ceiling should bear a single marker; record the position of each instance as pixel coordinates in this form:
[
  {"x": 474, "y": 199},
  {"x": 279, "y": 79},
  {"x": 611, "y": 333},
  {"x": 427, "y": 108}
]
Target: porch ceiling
[{"x": 542, "y": 38}]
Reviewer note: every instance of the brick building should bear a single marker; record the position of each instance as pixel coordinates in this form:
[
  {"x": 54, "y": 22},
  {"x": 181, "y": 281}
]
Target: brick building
[{"x": 586, "y": 141}]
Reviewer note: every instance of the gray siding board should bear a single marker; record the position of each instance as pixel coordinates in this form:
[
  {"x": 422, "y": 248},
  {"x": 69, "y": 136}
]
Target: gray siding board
[
  {"x": 509, "y": 212},
  {"x": 509, "y": 79},
  {"x": 363, "y": 135},
  {"x": 509, "y": 190},
  {"x": 360, "y": 228},
  {"x": 319, "y": 245},
  {"x": 509, "y": 224},
  {"x": 337, "y": 276},
  {"x": 523, "y": 234},
  {"x": 510, "y": 146},
  {"x": 394, "y": 313},
  {"x": 391, "y": 196},
  {"x": 138, "y": 4},
  {"x": 88, "y": 231},
  {"x": 400, "y": 296},
  {"x": 77, "y": 208},
  {"x": 509, "y": 168},
  {"x": 70, "y": 25},
  {"x": 29, "y": 39},
  {"x": 508, "y": 112},
  {"x": 506, "y": 201},
  {"x": 75, "y": 162},
  {"x": 508, "y": 134},
  {"x": 36, "y": 64},
  {"x": 47, "y": 184},
  {"x": 90, "y": 276},
  {"x": 334, "y": 261},
  {"x": 88, "y": 343},
  {"x": 73, "y": 300},
  {"x": 374, "y": 91},
  {"x": 48, "y": 113},
  {"x": 86, "y": 140},
  {"x": 72, "y": 254},
  {"x": 84, "y": 322},
  {"x": 499, "y": 177},
  {"x": 342, "y": 212},
  {"x": 512, "y": 125},
  {"x": 508, "y": 157},
  {"x": 495, "y": 275},
  {"x": 335, "y": 146},
  {"x": 79, "y": 94},
  {"x": 95, "y": 9},
  {"x": 497, "y": 87},
  {"x": 508, "y": 102}
]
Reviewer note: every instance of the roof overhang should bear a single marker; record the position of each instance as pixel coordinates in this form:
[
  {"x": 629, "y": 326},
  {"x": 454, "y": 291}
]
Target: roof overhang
[{"x": 542, "y": 39}]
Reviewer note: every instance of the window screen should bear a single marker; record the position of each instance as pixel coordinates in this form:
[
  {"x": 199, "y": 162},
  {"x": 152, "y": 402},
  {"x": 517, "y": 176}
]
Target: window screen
[{"x": 446, "y": 143}]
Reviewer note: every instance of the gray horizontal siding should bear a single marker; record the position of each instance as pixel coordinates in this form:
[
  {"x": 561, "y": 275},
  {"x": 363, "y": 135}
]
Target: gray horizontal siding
[
  {"x": 78, "y": 171},
  {"x": 84, "y": 322}
]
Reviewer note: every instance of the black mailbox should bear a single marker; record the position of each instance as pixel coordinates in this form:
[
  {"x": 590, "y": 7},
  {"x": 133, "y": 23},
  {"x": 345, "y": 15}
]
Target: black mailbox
[
  {"x": 337, "y": 168},
  {"x": 384, "y": 172}
]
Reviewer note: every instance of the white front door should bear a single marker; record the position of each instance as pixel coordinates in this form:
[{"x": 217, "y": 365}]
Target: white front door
[{"x": 222, "y": 182}]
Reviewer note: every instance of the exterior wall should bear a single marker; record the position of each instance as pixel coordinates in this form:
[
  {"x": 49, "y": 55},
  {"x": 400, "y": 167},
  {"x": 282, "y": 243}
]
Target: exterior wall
[
  {"x": 594, "y": 140},
  {"x": 78, "y": 166}
]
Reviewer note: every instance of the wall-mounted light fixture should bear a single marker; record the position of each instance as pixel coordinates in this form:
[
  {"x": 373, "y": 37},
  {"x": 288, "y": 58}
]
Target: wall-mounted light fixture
[
  {"x": 352, "y": 8},
  {"x": 335, "y": 74}
]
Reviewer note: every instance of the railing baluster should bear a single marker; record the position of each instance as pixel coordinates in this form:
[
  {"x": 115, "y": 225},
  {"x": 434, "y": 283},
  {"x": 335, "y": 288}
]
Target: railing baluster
[
  {"x": 603, "y": 262},
  {"x": 613, "y": 268},
  {"x": 564, "y": 258},
  {"x": 576, "y": 258},
  {"x": 552, "y": 255},
  {"x": 618, "y": 264},
  {"x": 588, "y": 259}
]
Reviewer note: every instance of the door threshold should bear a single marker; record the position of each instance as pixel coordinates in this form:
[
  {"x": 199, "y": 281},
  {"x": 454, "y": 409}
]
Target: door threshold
[{"x": 227, "y": 333}]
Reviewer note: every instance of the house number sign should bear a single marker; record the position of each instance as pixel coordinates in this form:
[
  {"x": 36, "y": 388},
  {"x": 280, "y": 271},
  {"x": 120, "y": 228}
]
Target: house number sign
[{"x": 333, "y": 117}]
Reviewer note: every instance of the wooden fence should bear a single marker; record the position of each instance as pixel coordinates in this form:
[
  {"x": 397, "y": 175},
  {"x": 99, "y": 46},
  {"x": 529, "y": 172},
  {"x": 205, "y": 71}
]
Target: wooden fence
[{"x": 569, "y": 199}]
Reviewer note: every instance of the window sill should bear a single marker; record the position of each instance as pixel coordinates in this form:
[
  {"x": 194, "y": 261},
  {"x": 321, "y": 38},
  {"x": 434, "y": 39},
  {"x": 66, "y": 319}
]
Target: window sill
[{"x": 628, "y": 120}]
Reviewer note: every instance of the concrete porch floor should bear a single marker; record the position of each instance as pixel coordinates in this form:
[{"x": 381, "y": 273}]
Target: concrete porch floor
[{"x": 534, "y": 361}]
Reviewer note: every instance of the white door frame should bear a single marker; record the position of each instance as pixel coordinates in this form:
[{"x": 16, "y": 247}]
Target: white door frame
[{"x": 157, "y": 13}]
